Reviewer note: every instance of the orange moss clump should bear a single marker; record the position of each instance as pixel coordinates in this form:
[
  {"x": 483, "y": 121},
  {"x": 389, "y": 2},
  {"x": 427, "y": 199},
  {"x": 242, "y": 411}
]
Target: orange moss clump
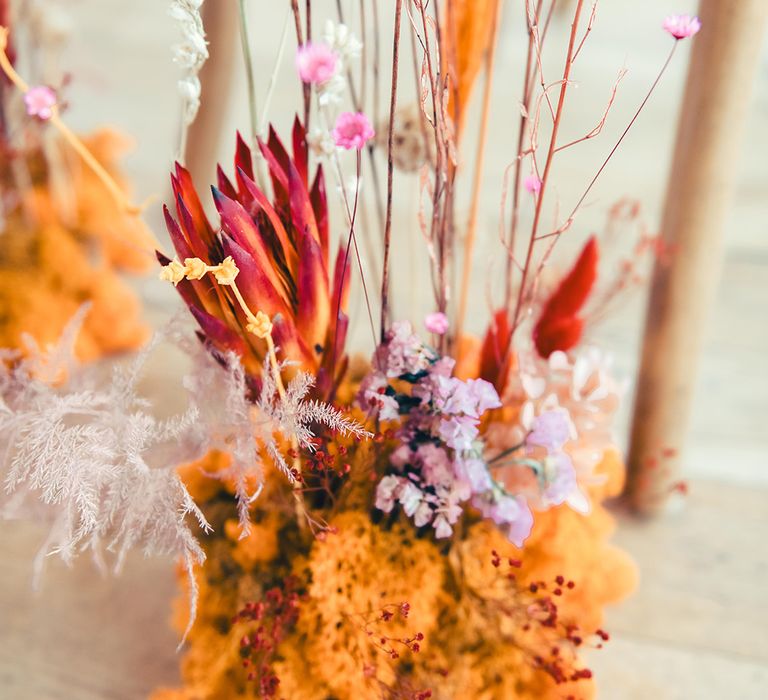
[
  {"x": 63, "y": 245},
  {"x": 354, "y": 637}
]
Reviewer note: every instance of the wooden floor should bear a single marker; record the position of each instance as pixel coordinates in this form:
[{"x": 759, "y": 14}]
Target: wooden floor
[{"x": 697, "y": 628}]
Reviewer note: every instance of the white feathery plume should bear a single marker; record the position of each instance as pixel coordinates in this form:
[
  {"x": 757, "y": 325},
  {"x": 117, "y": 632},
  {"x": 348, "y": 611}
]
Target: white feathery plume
[{"x": 101, "y": 466}]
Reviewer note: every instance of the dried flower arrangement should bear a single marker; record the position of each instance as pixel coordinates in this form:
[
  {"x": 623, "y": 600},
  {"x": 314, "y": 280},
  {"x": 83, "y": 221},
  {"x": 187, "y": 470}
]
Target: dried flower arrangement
[{"x": 424, "y": 524}]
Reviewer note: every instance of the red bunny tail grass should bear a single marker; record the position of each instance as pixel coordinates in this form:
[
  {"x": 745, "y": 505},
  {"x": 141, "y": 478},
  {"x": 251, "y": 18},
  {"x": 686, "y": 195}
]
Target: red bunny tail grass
[{"x": 560, "y": 326}]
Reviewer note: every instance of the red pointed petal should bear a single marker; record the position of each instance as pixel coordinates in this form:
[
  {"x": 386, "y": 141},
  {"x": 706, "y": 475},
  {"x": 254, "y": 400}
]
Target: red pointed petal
[
  {"x": 218, "y": 333},
  {"x": 224, "y": 184},
  {"x": 278, "y": 176},
  {"x": 313, "y": 313},
  {"x": 320, "y": 207},
  {"x": 243, "y": 157},
  {"x": 194, "y": 236},
  {"x": 289, "y": 249},
  {"x": 238, "y": 224},
  {"x": 277, "y": 149},
  {"x": 341, "y": 286},
  {"x": 180, "y": 243},
  {"x": 185, "y": 188},
  {"x": 291, "y": 344},
  {"x": 300, "y": 153},
  {"x": 255, "y": 286},
  {"x": 302, "y": 215}
]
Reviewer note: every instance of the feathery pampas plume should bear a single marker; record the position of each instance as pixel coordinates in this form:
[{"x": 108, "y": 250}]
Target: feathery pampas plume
[{"x": 102, "y": 466}]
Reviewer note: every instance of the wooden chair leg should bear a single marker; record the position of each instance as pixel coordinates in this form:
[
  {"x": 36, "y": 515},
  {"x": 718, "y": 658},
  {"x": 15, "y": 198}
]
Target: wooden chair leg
[
  {"x": 220, "y": 19},
  {"x": 723, "y": 63}
]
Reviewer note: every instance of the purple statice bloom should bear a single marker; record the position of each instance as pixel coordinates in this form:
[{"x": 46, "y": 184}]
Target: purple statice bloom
[
  {"x": 561, "y": 478},
  {"x": 474, "y": 472},
  {"x": 443, "y": 367},
  {"x": 436, "y": 390},
  {"x": 402, "y": 351},
  {"x": 511, "y": 513},
  {"x": 518, "y": 530},
  {"x": 458, "y": 432},
  {"x": 410, "y": 496},
  {"x": 385, "y": 493},
  {"x": 551, "y": 430},
  {"x": 484, "y": 395},
  {"x": 443, "y": 528},
  {"x": 372, "y": 397},
  {"x": 436, "y": 466}
]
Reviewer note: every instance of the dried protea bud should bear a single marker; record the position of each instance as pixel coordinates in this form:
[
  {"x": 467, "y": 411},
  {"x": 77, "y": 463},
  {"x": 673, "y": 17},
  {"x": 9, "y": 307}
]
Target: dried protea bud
[
  {"x": 278, "y": 249},
  {"x": 412, "y": 139}
]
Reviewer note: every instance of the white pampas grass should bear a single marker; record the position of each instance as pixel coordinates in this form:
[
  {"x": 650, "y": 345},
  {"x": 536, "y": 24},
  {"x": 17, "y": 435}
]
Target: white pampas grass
[{"x": 98, "y": 463}]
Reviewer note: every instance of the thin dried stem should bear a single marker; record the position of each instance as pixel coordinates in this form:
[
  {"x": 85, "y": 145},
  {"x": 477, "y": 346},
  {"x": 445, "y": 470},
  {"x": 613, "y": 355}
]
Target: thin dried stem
[
  {"x": 306, "y": 91},
  {"x": 545, "y": 177},
  {"x": 390, "y": 168},
  {"x": 522, "y": 128}
]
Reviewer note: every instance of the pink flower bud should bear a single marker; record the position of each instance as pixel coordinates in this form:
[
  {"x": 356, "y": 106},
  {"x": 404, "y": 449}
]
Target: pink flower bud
[
  {"x": 39, "y": 101},
  {"x": 316, "y": 63},
  {"x": 532, "y": 183},
  {"x": 352, "y": 130},
  {"x": 436, "y": 323},
  {"x": 682, "y": 26}
]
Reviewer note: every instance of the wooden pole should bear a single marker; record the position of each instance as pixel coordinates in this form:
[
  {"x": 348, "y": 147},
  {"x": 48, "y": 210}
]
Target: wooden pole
[
  {"x": 723, "y": 63},
  {"x": 220, "y": 19}
]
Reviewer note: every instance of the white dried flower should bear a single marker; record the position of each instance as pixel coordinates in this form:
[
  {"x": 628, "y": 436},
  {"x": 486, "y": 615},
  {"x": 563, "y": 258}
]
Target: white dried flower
[
  {"x": 191, "y": 53},
  {"x": 342, "y": 41},
  {"x": 190, "y": 90},
  {"x": 321, "y": 142},
  {"x": 331, "y": 91}
]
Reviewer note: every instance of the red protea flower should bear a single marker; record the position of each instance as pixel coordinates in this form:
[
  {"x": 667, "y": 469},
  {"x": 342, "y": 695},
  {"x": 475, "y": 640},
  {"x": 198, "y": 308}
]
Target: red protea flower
[{"x": 281, "y": 249}]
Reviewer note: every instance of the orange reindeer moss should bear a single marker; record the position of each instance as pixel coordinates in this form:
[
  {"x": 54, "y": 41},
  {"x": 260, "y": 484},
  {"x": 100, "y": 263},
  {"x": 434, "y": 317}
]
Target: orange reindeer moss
[
  {"x": 357, "y": 570},
  {"x": 73, "y": 254}
]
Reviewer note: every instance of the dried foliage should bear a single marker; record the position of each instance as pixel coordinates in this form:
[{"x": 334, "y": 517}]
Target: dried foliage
[
  {"x": 104, "y": 465},
  {"x": 467, "y": 36}
]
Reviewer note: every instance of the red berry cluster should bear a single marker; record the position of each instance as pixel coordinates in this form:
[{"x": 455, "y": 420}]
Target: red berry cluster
[
  {"x": 536, "y": 608},
  {"x": 269, "y": 621},
  {"x": 372, "y": 625}
]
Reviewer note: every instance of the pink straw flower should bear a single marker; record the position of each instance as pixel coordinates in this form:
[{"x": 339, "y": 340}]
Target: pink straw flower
[
  {"x": 352, "y": 130},
  {"x": 316, "y": 63},
  {"x": 39, "y": 101},
  {"x": 436, "y": 323},
  {"x": 532, "y": 183},
  {"x": 682, "y": 26}
]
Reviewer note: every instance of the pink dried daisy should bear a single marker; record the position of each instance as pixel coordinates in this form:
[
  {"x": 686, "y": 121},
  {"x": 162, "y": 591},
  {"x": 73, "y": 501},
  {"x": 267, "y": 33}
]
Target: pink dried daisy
[
  {"x": 682, "y": 26},
  {"x": 436, "y": 323},
  {"x": 316, "y": 63},
  {"x": 40, "y": 101},
  {"x": 532, "y": 183},
  {"x": 352, "y": 130}
]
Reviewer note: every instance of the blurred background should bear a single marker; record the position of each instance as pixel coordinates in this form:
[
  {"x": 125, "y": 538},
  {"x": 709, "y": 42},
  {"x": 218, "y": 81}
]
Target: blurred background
[{"x": 696, "y": 628}]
